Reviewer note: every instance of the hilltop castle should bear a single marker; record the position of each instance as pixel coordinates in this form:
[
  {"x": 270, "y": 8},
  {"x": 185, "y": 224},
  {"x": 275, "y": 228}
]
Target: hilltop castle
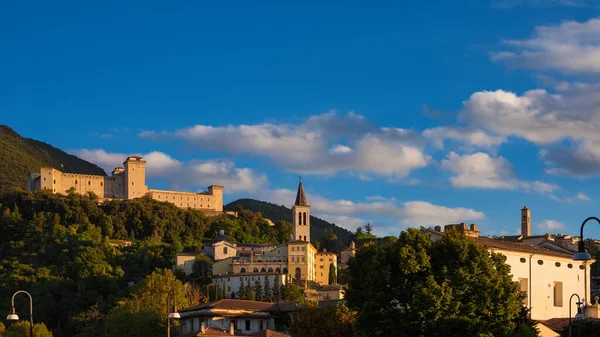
[{"x": 127, "y": 182}]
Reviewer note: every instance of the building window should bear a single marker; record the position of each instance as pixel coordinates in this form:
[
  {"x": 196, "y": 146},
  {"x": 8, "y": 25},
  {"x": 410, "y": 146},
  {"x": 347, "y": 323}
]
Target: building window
[
  {"x": 581, "y": 267},
  {"x": 522, "y": 260},
  {"x": 321, "y": 266},
  {"x": 557, "y": 264},
  {"x": 255, "y": 270},
  {"x": 540, "y": 262},
  {"x": 243, "y": 270},
  {"x": 261, "y": 326},
  {"x": 75, "y": 181},
  {"x": 523, "y": 286},
  {"x": 224, "y": 250},
  {"x": 558, "y": 294},
  {"x": 569, "y": 266},
  {"x": 89, "y": 182},
  {"x": 247, "y": 325},
  {"x": 262, "y": 270},
  {"x": 304, "y": 219},
  {"x": 101, "y": 184},
  {"x": 54, "y": 180}
]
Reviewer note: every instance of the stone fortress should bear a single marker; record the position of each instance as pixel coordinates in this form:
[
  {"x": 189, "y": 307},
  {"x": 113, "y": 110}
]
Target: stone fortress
[{"x": 127, "y": 182}]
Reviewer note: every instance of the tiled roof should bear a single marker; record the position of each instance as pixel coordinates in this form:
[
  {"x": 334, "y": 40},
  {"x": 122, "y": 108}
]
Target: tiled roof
[
  {"x": 514, "y": 246},
  {"x": 233, "y": 305},
  {"x": 212, "y": 332},
  {"x": 520, "y": 247},
  {"x": 556, "y": 324},
  {"x": 301, "y": 196},
  {"x": 270, "y": 333}
]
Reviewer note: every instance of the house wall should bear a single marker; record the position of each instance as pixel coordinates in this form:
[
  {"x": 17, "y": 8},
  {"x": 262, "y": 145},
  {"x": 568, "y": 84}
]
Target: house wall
[
  {"x": 222, "y": 267},
  {"x": 194, "y": 323},
  {"x": 323, "y": 261},
  {"x": 541, "y": 281},
  {"x": 231, "y": 283}
]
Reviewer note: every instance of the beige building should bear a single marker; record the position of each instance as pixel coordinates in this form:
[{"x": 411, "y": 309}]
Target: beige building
[
  {"x": 127, "y": 182},
  {"x": 346, "y": 254},
  {"x": 323, "y": 266},
  {"x": 325, "y": 293}
]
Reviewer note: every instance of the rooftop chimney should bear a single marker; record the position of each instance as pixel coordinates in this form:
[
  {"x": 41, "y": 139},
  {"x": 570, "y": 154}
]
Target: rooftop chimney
[
  {"x": 221, "y": 232},
  {"x": 231, "y": 328}
]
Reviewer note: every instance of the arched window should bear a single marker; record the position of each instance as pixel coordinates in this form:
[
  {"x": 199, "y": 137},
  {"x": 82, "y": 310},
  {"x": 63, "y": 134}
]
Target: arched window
[
  {"x": 285, "y": 270},
  {"x": 304, "y": 221},
  {"x": 270, "y": 270},
  {"x": 304, "y": 237},
  {"x": 278, "y": 270},
  {"x": 298, "y": 273},
  {"x": 262, "y": 270},
  {"x": 255, "y": 270},
  {"x": 299, "y": 214},
  {"x": 243, "y": 270}
]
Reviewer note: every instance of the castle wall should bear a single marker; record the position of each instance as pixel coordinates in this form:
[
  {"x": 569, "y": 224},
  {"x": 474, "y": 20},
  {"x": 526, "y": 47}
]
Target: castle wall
[
  {"x": 128, "y": 182},
  {"x": 186, "y": 199}
]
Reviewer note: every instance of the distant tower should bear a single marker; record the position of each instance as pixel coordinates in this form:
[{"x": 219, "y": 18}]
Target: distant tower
[
  {"x": 525, "y": 222},
  {"x": 301, "y": 212},
  {"x": 135, "y": 177}
]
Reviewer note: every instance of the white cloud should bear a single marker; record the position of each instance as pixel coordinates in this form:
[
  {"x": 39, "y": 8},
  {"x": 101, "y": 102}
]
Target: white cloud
[
  {"x": 578, "y": 197},
  {"x": 315, "y": 146},
  {"x": 474, "y": 138},
  {"x": 392, "y": 215},
  {"x": 194, "y": 175},
  {"x": 550, "y": 226},
  {"x": 582, "y": 196},
  {"x": 480, "y": 170},
  {"x": 572, "y": 47}
]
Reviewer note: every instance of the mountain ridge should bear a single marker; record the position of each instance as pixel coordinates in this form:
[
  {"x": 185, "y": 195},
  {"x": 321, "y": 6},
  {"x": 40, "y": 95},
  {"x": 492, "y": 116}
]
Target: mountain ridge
[
  {"x": 20, "y": 156},
  {"x": 276, "y": 213}
]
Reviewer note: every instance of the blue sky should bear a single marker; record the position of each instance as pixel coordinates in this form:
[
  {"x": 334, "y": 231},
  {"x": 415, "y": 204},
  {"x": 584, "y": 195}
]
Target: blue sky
[{"x": 397, "y": 113}]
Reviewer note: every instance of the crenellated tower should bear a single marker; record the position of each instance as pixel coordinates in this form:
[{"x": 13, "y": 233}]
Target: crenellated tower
[{"x": 301, "y": 211}]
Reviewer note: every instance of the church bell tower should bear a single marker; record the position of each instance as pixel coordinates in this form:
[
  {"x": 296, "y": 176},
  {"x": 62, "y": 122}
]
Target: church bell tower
[{"x": 301, "y": 211}]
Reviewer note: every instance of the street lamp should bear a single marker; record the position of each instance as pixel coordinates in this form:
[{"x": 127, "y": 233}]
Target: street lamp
[
  {"x": 13, "y": 313},
  {"x": 579, "y": 314},
  {"x": 582, "y": 254},
  {"x": 172, "y": 314}
]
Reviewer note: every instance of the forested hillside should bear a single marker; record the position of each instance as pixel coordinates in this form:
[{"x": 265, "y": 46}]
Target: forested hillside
[
  {"x": 319, "y": 228},
  {"x": 59, "y": 249},
  {"x": 20, "y": 156}
]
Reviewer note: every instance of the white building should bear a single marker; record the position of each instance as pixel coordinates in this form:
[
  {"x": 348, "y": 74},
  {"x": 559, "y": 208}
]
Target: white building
[
  {"x": 549, "y": 277},
  {"x": 232, "y": 282},
  {"x": 233, "y": 317}
]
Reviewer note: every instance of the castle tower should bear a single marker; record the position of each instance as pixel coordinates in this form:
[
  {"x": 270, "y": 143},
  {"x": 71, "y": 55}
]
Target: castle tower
[
  {"x": 525, "y": 222},
  {"x": 135, "y": 177},
  {"x": 217, "y": 192},
  {"x": 301, "y": 211}
]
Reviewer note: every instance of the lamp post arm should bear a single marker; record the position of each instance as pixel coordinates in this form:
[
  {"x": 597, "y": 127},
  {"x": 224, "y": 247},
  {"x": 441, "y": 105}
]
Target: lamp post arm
[
  {"x": 583, "y": 224},
  {"x": 30, "y": 308}
]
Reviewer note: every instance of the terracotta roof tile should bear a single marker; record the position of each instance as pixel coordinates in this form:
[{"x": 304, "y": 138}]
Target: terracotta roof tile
[
  {"x": 232, "y": 304},
  {"x": 520, "y": 247},
  {"x": 301, "y": 196},
  {"x": 270, "y": 333}
]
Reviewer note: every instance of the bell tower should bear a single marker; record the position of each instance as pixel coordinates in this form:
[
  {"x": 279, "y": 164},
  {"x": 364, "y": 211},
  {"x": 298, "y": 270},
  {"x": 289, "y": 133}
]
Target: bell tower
[
  {"x": 525, "y": 222},
  {"x": 301, "y": 213}
]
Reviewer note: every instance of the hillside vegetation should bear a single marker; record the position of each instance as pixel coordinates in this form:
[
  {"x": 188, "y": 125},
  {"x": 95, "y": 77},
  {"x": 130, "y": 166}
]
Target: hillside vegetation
[
  {"x": 320, "y": 229},
  {"x": 59, "y": 249},
  {"x": 20, "y": 156}
]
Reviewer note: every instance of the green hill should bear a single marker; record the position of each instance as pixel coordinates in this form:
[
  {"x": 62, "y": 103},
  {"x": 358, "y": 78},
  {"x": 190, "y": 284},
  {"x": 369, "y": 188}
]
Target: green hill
[
  {"x": 20, "y": 156},
  {"x": 276, "y": 213}
]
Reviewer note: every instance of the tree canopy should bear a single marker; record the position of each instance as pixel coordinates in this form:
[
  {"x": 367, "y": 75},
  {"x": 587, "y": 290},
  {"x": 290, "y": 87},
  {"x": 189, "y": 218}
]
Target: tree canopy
[{"x": 419, "y": 287}]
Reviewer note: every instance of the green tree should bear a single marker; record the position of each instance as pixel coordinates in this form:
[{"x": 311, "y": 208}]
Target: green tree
[
  {"x": 291, "y": 292},
  {"x": 332, "y": 274},
  {"x": 333, "y": 321},
  {"x": 121, "y": 321},
  {"x": 22, "y": 329},
  {"x": 267, "y": 291},
  {"x": 369, "y": 228},
  {"x": 276, "y": 289},
  {"x": 258, "y": 290},
  {"x": 449, "y": 287},
  {"x": 242, "y": 290}
]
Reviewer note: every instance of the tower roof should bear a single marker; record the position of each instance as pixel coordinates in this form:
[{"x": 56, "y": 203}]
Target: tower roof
[{"x": 301, "y": 196}]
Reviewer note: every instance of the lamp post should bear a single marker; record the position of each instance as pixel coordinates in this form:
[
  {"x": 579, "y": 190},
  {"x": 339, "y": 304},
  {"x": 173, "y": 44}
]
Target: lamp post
[
  {"x": 579, "y": 314},
  {"x": 172, "y": 314},
  {"x": 582, "y": 254},
  {"x": 13, "y": 314}
]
